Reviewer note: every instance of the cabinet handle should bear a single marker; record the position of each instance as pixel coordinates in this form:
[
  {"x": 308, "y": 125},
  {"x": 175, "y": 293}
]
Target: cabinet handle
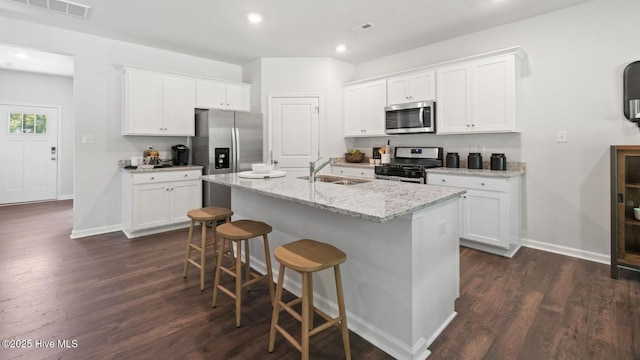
[
  {"x": 482, "y": 184},
  {"x": 473, "y": 124},
  {"x": 153, "y": 178},
  {"x": 167, "y": 189},
  {"x": 468, "y": 125},
  {"x": 443, "y": 180},
  {"x": 221, "y": 104}
]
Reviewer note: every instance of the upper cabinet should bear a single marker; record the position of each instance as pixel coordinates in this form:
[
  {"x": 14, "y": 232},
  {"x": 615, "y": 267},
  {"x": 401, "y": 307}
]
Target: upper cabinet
[
  {"x": 414, "y": 87},
  {"x": 162, "y": 104},
  {"x": 364, "y": 109},
  {"x": 221, "y": 95},
  {"x": 481, "y": 96},
  {"x": 158, "y": 103}
]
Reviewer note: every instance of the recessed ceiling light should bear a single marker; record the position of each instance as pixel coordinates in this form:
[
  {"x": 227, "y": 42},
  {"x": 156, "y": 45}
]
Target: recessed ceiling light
[
  {"x": 254, "y": 18},
  {"x": 20, "y": 55},
  {"x": 341, "y": 48}
]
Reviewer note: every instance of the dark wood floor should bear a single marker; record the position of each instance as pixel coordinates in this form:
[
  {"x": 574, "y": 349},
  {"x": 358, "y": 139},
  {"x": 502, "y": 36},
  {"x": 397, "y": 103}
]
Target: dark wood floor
[{"x": 126, "y": 299}]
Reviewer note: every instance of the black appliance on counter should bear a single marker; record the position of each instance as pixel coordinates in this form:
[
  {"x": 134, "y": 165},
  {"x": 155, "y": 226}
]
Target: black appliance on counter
[
  {"x": 409, "y": 164},
  {"x": 180, "y": 155}
]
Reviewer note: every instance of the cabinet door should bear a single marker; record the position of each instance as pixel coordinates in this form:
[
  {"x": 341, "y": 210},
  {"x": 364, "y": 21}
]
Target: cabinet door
[
  {"x": 179, "y": 104},
  {"x": 210, "y": 94},
  {"x": 398, "y": 89},
  {"x": 422, "y": 86},
  {"x": 453, "y": 100},
  {"x": 373, "y": 104},
  {"x": 484, "y": 217},
  {"x": 184, "y": 196},
  {"x": 238, "y": 97},
  {"x": 493, "y": 95},
  {"x": 144, "y": 102},
  {"x": 150, "y": 206},
  {"x": 353, "y": 111}
]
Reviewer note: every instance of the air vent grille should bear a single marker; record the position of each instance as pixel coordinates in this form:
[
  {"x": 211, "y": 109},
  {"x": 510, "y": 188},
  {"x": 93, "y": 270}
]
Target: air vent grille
[
  {"x": 361, "y": 28},
  {"x": 60, "y": 6}
]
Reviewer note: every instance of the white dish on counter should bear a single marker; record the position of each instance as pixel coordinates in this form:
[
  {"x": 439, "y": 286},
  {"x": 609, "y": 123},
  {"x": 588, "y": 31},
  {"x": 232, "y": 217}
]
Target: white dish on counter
[{"x": 261, "y": 175}]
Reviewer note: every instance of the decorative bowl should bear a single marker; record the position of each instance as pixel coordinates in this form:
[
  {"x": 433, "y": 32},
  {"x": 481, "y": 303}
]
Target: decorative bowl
[
  {"x": 261, "y": 168},
  {"x": 354, "y": 157}
]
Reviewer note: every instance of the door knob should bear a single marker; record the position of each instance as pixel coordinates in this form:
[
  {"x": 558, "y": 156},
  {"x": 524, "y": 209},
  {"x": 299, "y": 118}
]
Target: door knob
[{"x": 53, "y": 158}]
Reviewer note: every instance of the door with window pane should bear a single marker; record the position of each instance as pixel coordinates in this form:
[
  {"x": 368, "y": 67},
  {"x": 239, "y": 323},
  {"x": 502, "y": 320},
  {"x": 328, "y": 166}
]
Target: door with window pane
[{"x": 28, "y": 153}]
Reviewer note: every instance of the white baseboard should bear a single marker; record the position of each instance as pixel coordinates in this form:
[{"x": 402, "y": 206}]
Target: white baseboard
[
  {"x": 65, "y": 197},
  {"x": 564, "y": 250},
  {"x": 77, "y": 234}
]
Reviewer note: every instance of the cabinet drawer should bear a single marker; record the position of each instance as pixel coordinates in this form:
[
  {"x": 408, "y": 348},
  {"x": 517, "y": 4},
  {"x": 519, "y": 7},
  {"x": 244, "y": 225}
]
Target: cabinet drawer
[
  {"x": 468, "y": 182},
  {"x": 162, "y": 176},
  {"x": 353, "y": 171}
]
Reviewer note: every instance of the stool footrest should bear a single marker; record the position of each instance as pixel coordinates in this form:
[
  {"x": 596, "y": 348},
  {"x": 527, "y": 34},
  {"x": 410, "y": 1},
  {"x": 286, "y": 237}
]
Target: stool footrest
[
  {"x": 288, "y": 308},
  {"x": 324, "y": 326},
  {"x": 289, "y": 338},
  {"x": 229, "y": 271},
  {"x": 194, "y": 263},
  {"x": 254, "y": 280},
  {"x": 226, "y": 291}
]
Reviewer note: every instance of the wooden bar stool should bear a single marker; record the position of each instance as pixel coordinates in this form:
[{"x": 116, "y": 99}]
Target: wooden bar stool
[
  {"x": 306, "y": 257},
  {"x": 203, "y": 215},
  {"x": 241, "y": 231}
]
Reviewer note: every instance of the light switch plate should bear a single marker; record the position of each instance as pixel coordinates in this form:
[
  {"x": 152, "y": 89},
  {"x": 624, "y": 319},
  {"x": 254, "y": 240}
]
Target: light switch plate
[{"x": 561, "y": 136}]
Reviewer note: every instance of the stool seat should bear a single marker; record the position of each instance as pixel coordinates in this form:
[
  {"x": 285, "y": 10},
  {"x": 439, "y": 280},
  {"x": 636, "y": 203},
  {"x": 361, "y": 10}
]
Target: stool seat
[
  {"x": 243, "y": 229},
  {"x": 209, "y": 214},
  {"x": 309, "y": 256},
  {"x": 203, "y": 215}
]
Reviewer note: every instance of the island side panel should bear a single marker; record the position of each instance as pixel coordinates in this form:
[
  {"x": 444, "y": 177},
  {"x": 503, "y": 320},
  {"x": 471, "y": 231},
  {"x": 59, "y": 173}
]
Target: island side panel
[{"x": 378, "y": 275}]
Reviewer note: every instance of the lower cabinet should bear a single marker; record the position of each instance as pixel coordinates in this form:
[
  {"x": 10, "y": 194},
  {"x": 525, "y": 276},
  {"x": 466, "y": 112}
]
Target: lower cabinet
[
  {"x": 159, "y": 201},
  {"x": 356, "y": 171},
  {"x": 489, "y": 212}
]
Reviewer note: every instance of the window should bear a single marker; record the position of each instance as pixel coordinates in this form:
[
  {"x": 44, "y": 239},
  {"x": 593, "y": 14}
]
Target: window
[{"x": 27, "y": 123}]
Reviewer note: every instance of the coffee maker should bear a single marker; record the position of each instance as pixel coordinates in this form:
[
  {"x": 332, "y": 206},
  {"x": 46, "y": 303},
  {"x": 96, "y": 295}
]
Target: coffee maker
[{"x": 180, "y": 155}]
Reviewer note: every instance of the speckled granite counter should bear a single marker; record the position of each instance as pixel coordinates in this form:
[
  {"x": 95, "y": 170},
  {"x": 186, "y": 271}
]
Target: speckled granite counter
[
  {"x": 377, "y": 201},
  {"x": 401, "y": 242},
  {"x": 475, "y": 172},
  {"x": 171, "y": 168}
]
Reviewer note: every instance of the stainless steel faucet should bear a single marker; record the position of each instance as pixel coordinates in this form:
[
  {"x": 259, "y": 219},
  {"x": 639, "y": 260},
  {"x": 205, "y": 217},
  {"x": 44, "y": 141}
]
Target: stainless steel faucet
[{"x": 313, "y": 170}]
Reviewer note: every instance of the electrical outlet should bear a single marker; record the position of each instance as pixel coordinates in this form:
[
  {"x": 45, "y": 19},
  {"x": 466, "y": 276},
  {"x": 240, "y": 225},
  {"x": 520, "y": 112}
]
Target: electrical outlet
[
  {"x": 87, "y": 139},
  {"x": 442, "y": 227},
  {"x": 561, "y": 136}
]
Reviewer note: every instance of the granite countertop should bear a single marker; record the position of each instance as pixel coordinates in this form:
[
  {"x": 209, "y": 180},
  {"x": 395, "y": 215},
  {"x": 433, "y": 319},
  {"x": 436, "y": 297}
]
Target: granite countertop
[
  {"x": 377, "y": 200},
  {"x": 476, "y": 172},
  {"x": 171, "y": 168}
]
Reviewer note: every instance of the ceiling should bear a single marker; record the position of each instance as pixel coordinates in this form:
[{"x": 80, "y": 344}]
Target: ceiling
[{"x": 219, "y": 30}]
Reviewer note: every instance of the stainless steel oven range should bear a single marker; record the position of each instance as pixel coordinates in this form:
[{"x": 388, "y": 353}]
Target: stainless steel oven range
[{"x": 409, "y": 164}]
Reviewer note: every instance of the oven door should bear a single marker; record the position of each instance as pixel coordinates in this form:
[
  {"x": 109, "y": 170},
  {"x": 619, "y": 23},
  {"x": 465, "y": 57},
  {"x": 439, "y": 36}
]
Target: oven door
[
  {"x": 420, "y": 180},
  {"x": 410, "y": 118}
]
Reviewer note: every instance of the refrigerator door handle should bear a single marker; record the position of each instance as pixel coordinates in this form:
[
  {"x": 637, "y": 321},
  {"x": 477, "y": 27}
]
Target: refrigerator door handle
[{"x": 236, "y": 147}]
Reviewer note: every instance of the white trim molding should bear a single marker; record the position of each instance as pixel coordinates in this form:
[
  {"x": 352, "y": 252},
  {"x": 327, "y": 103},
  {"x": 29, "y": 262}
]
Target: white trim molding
[{"x": 568, "y": 251}]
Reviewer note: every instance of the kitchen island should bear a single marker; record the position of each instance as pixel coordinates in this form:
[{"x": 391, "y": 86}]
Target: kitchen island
[{"x": 401, "y": 277}]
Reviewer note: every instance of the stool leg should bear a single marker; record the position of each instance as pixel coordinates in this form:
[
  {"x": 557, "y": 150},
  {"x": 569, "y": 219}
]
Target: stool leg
[
  {"x": 343, "y": 313},
  {"x": 310, "y": 286},
  {"x": 187, "y": 253},
  {"x": 216, "y": 281},
  {"x": 305, "y": 315},
  {"x": 267, "y": 258},
  {"x": 276, "y": 309},
  {"x": 203, "y": 252},
  {"x": 215, "y": 241},
  {"x": 239, "y": 281},
  {"x": 247, "y": 263}
]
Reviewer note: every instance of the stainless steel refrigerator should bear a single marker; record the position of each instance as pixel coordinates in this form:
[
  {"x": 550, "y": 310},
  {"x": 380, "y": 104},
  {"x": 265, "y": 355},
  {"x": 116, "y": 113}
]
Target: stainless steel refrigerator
[{"x": 225, "y": 142}]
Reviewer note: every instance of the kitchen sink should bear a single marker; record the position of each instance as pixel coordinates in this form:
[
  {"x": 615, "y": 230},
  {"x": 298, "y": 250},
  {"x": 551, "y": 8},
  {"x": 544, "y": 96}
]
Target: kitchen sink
[{"x": 337, "y": 180}]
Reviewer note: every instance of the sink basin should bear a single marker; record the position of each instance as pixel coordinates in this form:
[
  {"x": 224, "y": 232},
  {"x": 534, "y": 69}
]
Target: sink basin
[{"x": 337, "y": 180}]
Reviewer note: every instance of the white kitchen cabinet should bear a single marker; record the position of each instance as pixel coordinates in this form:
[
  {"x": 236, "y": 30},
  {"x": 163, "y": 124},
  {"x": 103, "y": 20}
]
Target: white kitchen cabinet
[
  {"x": 364, "y": 109},
  {"x": 480, "y": 96},
  {"x": 221, "y": 95},
  {"x": 159, "y": 201},
  {"x": 354, "y": 171},
  {"x": 489, "y": 212},
  {"x": 420, "y": 86},
  {"x": 158, "y": 104}
]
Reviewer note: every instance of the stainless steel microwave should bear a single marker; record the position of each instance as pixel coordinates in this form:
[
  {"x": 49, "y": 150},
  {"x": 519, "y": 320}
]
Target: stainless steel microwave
[{"x": 411, "y": 118}]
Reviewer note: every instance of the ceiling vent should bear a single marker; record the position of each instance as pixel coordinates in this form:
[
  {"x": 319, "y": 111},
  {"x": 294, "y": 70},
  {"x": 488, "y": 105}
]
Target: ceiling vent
[
  {"x": 361, "y": 28},
  {"x": 60, "y": 6}
]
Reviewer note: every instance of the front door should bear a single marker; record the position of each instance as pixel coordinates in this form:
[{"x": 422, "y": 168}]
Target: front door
[
  {"x": 294, "y": 130},
  {"x": 28, "y": 153}
]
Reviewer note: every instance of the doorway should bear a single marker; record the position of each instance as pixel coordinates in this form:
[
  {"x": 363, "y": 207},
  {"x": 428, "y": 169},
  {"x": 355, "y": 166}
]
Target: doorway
[
  {"x": 294, "y": 124},
  {"x": 28, "y": 153}
]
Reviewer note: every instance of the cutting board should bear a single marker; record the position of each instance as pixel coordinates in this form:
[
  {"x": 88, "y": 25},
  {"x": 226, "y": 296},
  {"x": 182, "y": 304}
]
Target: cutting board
[{"x": 255, "y": 175}]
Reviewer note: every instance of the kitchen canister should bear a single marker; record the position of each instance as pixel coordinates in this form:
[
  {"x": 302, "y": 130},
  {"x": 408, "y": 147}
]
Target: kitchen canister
[
  {"x": 452, "y": 160},
  {"x": 498, "y": 161},
  {"x": 474, "y": 161}
]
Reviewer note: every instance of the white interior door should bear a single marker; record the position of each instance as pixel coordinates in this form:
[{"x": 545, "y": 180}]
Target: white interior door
[
  {"x": 28, "y": 153},
  {"x": 294, "y": 130}
]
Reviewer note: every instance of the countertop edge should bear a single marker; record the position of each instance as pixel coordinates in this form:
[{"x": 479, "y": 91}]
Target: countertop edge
[
  {"x": 476, "y": 172},
  {"x": 172, "y": 168}
]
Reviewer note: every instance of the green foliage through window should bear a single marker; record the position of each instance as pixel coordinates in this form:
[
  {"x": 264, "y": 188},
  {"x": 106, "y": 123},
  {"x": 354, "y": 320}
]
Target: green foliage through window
[{"x": 27, "y": 123}]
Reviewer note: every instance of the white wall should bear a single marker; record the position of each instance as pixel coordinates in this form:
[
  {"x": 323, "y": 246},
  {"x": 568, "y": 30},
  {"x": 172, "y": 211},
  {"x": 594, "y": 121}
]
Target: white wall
[
  {"x": 97, "y": 92},
  {"x": 322, "y": 76},
  {"x": 23, "y": 88},
  {"x": 572, "y": 81}
]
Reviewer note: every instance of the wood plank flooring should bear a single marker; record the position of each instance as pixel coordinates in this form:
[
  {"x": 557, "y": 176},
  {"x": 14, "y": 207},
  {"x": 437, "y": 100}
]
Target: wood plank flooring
[{"x": 126, "y": 299}]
